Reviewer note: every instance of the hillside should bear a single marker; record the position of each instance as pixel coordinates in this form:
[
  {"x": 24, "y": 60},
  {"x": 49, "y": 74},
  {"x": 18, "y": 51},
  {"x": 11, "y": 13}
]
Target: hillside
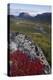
[{"x": 38, "y": 30}]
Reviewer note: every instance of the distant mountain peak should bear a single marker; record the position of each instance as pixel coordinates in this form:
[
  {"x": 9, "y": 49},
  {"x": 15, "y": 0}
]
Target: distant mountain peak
[{"x": 24, "y": 15}]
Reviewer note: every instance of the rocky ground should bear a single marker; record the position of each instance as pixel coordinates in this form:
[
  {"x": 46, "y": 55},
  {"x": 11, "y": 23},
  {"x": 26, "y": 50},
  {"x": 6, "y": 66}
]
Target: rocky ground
[{"x": 26, "y": 58}]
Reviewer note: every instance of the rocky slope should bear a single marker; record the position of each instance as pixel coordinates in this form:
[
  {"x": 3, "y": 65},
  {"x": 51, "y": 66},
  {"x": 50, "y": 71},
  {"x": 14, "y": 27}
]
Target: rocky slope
[{"x": 28, "y": 56}]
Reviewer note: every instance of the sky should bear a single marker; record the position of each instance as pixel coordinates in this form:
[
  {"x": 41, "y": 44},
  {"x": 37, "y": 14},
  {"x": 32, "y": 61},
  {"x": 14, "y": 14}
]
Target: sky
[{"x": 33, "y": 10}]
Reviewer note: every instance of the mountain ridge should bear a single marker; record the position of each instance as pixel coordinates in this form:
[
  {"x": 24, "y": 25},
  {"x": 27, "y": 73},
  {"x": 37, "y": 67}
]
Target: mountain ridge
[{"x": 44, "y": 17}]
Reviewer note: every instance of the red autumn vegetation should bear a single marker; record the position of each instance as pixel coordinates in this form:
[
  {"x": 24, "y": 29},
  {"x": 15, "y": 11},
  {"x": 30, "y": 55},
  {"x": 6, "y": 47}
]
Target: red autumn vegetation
[{"x": 23, "y": 65}]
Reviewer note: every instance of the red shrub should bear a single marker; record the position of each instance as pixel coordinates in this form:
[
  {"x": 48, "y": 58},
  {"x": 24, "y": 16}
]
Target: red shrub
[{"x": 22, "y": 65}]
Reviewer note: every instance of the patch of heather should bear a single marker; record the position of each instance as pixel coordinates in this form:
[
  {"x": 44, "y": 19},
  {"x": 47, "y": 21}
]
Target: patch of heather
[{"x": 23, "y": 65}]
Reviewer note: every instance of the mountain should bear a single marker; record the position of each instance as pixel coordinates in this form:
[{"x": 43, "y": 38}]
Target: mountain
[
  {"x": 44, "y": 17},
  {"x": 25, "y": 16}
]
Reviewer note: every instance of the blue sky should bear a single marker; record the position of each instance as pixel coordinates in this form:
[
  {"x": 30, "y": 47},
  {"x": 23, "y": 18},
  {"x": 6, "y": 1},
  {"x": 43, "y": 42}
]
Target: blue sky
[{"x": 33, "y": 10}]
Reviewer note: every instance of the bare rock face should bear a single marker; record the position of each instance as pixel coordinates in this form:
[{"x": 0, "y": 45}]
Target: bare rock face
[{"x": 26, "y": 58}]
